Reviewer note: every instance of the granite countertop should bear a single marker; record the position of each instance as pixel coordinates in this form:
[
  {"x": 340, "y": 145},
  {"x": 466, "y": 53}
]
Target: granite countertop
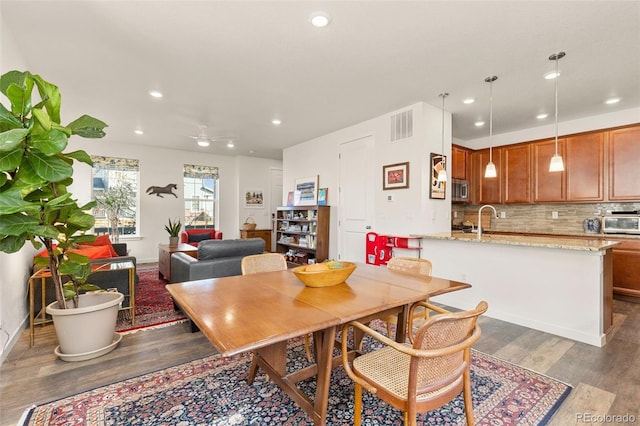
[{"x": 560, "y": 242}]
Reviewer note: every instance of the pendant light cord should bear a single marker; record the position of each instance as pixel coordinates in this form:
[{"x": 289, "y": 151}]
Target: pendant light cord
[{"x": 556, "y": 99}]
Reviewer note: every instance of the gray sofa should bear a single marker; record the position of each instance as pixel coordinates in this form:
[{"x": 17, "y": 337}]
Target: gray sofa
[{"x": 216, "y": 258}]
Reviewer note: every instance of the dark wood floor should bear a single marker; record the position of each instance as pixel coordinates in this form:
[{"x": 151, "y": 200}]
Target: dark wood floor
[{"x": 606, "y": 380}]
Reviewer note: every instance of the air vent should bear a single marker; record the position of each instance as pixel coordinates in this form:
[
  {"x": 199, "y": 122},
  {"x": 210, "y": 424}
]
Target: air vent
[{"x": 401, "y": 125}]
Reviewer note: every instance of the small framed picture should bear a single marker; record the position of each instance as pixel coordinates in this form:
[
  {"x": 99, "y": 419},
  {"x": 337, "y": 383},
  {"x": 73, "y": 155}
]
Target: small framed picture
[
  {"x": 290, "y": 198},
  {"x": 322, "y": 196},
  {"x": 254, "y": 198},
  {"x": 395, "y": 176},
  {"x": 308, "y": 190},
  {"x": 437, "y": 189}
]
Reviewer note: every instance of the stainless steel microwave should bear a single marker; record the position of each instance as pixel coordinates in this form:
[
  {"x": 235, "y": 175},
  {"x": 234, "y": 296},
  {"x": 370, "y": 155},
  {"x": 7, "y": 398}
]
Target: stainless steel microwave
[
  {"x": 459, "y": 191},
  {"x": 621, "y": 224}
]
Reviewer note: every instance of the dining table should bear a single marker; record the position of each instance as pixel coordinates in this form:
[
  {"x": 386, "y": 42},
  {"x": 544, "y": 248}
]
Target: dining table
[{"x": 262, "y": 312}]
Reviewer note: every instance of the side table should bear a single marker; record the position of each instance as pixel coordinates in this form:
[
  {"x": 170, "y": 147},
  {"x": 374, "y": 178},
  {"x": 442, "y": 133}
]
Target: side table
[
  {"x": 164, "y": 257},
  {"x": 41, "y": 318},
  {"x": 265, "y": 234}
]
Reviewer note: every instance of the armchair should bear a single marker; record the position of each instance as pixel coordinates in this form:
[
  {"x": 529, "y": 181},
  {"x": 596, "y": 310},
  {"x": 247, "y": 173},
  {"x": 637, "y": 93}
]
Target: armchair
[
  {"x": 421, "y": 377},
  {"x": 194, "y": 236}
]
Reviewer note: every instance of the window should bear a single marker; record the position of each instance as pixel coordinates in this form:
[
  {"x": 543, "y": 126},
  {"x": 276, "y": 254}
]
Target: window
[
  {"x": 116, "y": 189},
  {"x": 200, "y": 196}
]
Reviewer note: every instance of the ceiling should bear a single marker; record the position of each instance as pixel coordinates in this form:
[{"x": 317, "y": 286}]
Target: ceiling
[{"x": 236, "y": 65}]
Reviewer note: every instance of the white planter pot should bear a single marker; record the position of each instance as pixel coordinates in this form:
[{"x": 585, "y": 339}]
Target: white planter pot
[
  {"x": 173, "y": 241},
  {"x": 87, "y": 331}
]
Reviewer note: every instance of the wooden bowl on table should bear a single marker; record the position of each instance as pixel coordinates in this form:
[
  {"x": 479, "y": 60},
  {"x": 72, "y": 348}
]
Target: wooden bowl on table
[{"x": 316, "y": 276}]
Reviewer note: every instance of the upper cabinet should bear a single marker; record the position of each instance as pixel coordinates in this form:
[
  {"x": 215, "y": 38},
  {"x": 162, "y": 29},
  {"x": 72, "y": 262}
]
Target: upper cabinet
[
  {"x": 548, "y": 187},
  {"x": 624, "y": 164},
  {"x": 584, "y": 167},
  {"x": 516, "y": 173},
  {"x": 459, "y": 159},
  {"x": 487, "y": 190},
  {"x": 599, "y": 166}
]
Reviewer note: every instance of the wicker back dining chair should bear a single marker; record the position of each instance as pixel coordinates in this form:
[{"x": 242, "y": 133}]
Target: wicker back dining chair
[
  {"x": 423, "y": 376},
  {"x": 408, "y": 265},
  {"x": 265, "y": 262}
]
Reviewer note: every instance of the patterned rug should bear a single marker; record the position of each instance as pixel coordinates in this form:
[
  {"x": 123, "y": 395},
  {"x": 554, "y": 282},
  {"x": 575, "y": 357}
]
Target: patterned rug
[
  {"x": 213, "y": 391},
  {"x": 154, "y": 307}
]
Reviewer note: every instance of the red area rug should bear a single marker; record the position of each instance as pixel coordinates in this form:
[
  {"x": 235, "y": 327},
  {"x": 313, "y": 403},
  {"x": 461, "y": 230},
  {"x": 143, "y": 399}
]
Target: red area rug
[
  {"x": 154, "y": 307},
  {"x": 214, "y": 391}
]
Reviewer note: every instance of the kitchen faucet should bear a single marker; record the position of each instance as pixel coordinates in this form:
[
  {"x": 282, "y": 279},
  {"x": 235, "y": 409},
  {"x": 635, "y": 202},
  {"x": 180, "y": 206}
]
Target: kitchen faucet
[{"x": 480, "y": 218}]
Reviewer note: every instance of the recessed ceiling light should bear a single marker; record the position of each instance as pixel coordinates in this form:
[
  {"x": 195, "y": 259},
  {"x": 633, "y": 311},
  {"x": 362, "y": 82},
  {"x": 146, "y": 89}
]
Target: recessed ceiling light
[
  {"x": 252, "y": 151},
  {"x": 479, "y": 123},
  {"x": 468, "y": 101},
  {"x": 542, "y": 116},
  {"x": 155, "y": 93},
  {"x": 551, "y": 75},
  {"x": 319, "y": 19},
  {"x": 203, "y": 142},
  {"x": 276, "y": 122},
  {"x": 230, "y": 144},
  {"x": 138, "y": 132},
  {"x": 612, "y": 101}
]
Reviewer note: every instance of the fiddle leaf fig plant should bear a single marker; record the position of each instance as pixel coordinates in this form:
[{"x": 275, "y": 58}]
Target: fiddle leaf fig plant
[{"x": 35, "y": 173}]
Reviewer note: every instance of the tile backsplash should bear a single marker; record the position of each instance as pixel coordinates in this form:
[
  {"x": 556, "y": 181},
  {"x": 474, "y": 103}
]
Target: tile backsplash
[{"x": 538, "y": 218}]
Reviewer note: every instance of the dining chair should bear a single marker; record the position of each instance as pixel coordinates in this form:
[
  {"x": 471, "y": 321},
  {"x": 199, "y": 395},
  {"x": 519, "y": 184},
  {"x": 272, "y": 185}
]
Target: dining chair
[
  {"x": 421, "y": 376},
  {"x": 408, "y": 265}
]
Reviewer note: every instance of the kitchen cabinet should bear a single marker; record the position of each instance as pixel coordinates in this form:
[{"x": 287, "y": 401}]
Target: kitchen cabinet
[
  {"x": 487, "y": 190},
  {"x": 459, "y": 160},
  {"x": 303, "y": 232},
  {"x": 584, "y": 167},
  {"x": 624, "y": 164},
  {"x": 547, "y": 186},
  {"x": 626, "y": 270},
  {"x": 516, "y": 173}
]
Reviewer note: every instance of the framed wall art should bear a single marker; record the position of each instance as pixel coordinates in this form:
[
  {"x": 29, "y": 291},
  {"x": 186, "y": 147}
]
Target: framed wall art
[
  {"x": 308, "y": 188},
  {"x": 395, "y": 176},
  {"x": 322, "y": 196},
  {"x": 437, "y": 190},
  {"x": 254, "y": 198}
]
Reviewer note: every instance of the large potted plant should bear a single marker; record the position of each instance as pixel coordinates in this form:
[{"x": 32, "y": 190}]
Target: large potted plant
[{"x": 36, "y": 206}]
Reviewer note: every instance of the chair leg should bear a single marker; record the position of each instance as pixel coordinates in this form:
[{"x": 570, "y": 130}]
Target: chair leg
[
  {"x": 389, "y": 330},
  {"x": 307, "y": 347},
  {"x": 357, "y": 404},
  {"x": 466, "y": 393}
]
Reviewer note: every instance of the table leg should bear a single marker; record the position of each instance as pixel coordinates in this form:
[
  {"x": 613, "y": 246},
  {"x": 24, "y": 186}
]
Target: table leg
[{"x": 324, "y": 341}]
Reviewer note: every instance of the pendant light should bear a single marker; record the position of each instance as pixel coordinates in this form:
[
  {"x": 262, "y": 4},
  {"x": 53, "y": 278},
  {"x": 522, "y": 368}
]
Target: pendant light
[
  {"x": 556, "y": 164},
  {"x": 490, "y": 171},
  {"x": 442, "y": 174}
]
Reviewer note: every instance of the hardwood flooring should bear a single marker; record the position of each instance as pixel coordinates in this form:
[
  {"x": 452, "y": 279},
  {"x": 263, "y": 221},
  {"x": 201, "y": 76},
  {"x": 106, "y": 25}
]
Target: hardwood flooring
[{"x": 606, "y": 380}]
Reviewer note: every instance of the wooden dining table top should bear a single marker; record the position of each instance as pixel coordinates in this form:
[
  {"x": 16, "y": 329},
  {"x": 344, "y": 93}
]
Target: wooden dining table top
[{"x": 246, "y": 312}]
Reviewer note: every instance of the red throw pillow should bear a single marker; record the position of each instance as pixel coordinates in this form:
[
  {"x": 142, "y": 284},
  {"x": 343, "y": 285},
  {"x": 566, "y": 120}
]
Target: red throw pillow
[
  {"x": 103, "y": 240},
  {"x": 93, "y": 252}
]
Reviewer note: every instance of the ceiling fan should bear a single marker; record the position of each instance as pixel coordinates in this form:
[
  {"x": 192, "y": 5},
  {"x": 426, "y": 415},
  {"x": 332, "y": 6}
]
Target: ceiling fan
[{"x": 204, "y": 140}]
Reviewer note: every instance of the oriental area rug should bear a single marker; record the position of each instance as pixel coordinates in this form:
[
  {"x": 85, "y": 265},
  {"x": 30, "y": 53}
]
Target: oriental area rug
[
  {"x": 214, "y": 391},
  {"x": 154, "y": 307}
]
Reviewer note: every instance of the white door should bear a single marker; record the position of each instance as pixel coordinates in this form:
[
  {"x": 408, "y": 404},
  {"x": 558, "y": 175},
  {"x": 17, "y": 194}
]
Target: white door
[
  {"x": 355, "y": 182},
  {"x": 275, "y": 196}
]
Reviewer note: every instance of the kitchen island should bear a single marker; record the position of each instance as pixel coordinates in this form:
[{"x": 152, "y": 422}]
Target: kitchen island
[{"x": 557, "y": 285}]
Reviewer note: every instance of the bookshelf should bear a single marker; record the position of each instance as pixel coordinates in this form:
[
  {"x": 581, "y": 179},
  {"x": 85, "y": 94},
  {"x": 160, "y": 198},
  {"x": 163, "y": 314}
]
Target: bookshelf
[{"x": 302, "y": 233}]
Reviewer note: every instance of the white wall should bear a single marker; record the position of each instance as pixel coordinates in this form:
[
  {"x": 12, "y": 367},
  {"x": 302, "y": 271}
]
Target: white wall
[
  {"x": 14, "y": 268},
  {"x": 160, "y": 167},
  {"x": 255, "y": 173},
  {"x": 412, "y": 211}
]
